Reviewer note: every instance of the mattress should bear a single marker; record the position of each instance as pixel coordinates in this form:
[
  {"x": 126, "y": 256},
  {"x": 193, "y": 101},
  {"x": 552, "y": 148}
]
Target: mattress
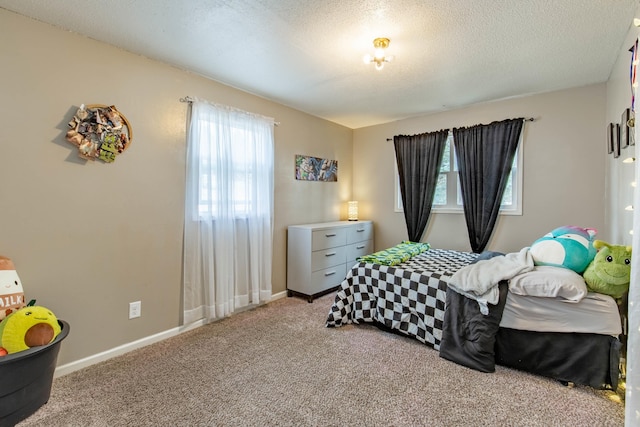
[{"x": 556, "y": 315}]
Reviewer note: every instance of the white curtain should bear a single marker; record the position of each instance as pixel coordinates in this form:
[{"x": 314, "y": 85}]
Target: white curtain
[
  {"x": 228, "y": 224},
  {"x": 632, "y": 396}
]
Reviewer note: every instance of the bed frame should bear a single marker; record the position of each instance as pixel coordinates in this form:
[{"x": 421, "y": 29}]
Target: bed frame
[
  {"x": 413, "y": 299},
  {"x": 589, "y": 359}
]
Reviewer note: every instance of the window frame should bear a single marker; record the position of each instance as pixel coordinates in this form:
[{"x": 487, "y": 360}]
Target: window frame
[{"x": 453, "y": 190}]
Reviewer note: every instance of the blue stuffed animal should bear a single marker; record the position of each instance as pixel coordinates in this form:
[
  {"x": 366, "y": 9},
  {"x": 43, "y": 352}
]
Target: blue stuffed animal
[{"x": 568, "y": 246}]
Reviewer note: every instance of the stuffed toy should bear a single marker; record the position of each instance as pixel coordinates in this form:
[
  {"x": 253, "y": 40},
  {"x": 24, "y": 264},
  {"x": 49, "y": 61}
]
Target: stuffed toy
[
  {"x": 28, "y": 327},
  {"x": 568, "y": 246},
  {"x": 11, "y": 293},
  {"x": 610, "y": 271}
]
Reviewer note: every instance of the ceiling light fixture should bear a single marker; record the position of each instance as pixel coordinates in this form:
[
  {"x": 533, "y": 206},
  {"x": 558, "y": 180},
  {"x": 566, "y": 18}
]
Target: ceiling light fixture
[{"x": 379, "y": 58}]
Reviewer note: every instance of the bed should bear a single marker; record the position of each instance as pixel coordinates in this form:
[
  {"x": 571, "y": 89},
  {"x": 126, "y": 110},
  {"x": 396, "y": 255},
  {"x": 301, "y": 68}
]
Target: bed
[{"x": 570, "y": 340}]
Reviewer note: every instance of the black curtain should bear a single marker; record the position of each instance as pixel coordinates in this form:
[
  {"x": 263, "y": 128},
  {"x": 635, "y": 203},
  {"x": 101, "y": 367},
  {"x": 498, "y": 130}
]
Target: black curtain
[
  {"x": 418, "y": 158},
  {"x": 485, "y": 155}
]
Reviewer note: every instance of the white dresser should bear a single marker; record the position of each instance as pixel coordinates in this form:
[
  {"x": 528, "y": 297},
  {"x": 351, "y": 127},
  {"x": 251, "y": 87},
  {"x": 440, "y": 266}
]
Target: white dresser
[{"x": 319, "y": 255}]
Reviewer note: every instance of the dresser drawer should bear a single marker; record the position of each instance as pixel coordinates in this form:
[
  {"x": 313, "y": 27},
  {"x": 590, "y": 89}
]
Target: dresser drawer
[
  {"x": 330, "y": 238},
  {"x": 356, "y": 250},
  {"x": 327, "y": 278},
  {"x": 360, "y": 232},
  {"x": 326, "y": 258}
]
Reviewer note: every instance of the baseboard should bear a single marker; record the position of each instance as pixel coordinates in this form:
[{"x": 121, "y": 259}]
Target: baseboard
[
  {"x": 126, "y": 348},
  {"x": 278, "y": 295},
  {"x": 116, "y": 351}
]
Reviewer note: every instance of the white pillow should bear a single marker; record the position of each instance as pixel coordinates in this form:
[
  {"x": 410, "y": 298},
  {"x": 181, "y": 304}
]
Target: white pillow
[{"x": 551, "y": 282}]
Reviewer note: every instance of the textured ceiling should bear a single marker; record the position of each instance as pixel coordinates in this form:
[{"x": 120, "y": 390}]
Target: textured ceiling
[{"x": 307, "y": 54}]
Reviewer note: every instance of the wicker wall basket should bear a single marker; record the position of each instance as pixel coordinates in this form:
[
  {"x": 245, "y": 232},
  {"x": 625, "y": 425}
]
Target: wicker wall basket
[{"x": 100, "y": 132}]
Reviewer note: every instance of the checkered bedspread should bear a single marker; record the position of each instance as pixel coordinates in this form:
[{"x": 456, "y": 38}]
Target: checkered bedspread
[{"x": 409, "y": 297}]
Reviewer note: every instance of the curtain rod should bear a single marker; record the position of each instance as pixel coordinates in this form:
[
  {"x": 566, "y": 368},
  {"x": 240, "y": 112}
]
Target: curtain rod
[
  {"x": 526, "y": 119},
  {"x": 189, "y": 100}
]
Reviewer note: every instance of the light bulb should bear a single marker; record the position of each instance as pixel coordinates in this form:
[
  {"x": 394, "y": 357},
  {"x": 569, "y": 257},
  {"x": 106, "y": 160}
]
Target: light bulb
[
  {"x": 378, "y": 58},
  {"x": 629, "y": 160},
  {"x": 633, "y": 184},
  {"x": 629, "y": 208}
]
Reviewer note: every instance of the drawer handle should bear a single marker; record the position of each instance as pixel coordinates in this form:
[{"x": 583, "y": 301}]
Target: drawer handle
[
  {"x": 331, "y": 253},
  {"x": 329, "y": 273},
  {"x": 360, "y": 247},
  {"x": 330, "y": 235},
  {"x": 360, "y": 230}
]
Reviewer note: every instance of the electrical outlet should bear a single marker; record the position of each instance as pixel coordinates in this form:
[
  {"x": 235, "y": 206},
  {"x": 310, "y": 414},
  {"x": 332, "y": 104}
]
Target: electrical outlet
[{"x": 135, "y": 309}]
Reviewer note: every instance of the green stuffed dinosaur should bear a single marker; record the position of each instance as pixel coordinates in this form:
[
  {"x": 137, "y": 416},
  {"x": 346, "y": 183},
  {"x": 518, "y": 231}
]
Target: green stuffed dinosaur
[{"x": 610, "y": 271}]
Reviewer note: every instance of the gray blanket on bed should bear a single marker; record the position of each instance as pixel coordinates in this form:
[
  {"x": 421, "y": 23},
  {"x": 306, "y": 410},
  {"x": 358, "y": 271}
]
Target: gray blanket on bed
[{"x": 479, "y": 281}]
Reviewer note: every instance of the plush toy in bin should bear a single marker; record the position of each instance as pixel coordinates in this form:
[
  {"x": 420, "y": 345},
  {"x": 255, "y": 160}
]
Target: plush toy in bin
[
  {"x": 11, "y": 293},
  {"x": 610, "y": 271},
  {"x": 28, "y": 327}
]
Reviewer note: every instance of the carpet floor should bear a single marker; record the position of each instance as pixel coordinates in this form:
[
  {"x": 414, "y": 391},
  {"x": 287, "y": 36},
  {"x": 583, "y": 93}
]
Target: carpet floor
[{"x": 278, "y": 365}]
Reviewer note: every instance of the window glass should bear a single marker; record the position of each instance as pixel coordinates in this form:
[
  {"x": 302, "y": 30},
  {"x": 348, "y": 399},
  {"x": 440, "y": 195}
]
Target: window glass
[{"x": 240, "y": 160}]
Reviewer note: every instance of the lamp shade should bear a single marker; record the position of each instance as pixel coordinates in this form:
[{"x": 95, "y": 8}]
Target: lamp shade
[{"x": 353, "y": 210}]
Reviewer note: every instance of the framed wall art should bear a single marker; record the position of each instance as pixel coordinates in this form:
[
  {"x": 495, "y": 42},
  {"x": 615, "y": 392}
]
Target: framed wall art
[
  {"x": 631, "y": 127},
  {"x": 625, "y": 131},
  {"x": 610, "y": 137},
  {"x": 616, "y": 144},
  {"x": 316, "y": 169}
]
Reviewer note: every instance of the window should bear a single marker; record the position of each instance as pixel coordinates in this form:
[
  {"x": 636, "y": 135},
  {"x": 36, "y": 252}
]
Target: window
[
  {"x": 227, "y": 179},
  {"x": 448, "y": 197},
  {"x": 228, "y": 221}
]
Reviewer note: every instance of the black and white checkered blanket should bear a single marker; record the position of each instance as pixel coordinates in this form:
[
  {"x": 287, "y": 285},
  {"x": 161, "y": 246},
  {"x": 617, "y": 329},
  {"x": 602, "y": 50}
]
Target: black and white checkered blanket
[{"x": 408, "y": 298}]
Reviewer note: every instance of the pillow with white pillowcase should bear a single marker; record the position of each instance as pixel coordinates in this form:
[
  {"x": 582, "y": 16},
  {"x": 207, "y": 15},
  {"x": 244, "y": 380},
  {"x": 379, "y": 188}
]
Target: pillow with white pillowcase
[{"x": 550, "y": 282}]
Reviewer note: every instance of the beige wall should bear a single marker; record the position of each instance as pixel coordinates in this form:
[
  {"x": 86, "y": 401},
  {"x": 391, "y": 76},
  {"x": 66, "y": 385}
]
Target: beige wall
[
  {"x": 563, "y": 169},
  {"x": 87, "y": 238}
]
